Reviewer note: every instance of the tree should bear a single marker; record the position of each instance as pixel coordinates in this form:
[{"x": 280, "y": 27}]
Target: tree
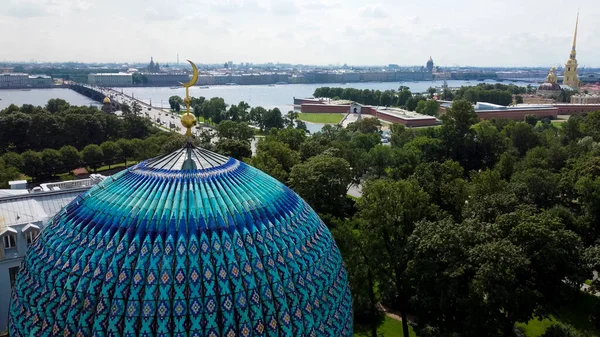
[
  {"x": 323, "y": 182},
  {"x": 519, "y": 99},
  {"x": 292, "y": 137},
  {"x": 522, "y": 136},
  {"x": 136, "y": 107},
  {"x": 70, "y": 157},
  {"x": 445, "y": 185},
  {"x": 275, "y": 158},
  {"x": 361, "y": 271},
  {"x": 128, "y": 149},
  {"x": 33, "y": 162},
  {"x": 111, "y": 152},
  {"x": 272, "y": 119},
  {"x": 234, "y": 148},
  {"x": 478, "y": 279},
  {"x": 125, "y": 109},
  {"x": 52, "y": 160},
  {"x": 12, "y": 159},
  {"x": 531, "y": 120},
  {"x": 365, "y": 141},
  {"x": 136, "y": 127},
  {"x": 13, "y": 131},
  {"x": 256, "y": 117},
  {"x": 561, "y": 330},
  {"x": 456, "y": 133},
  {"x": 380, "y": 158},
  {"x": 55, "y": 105},
  {"x": 365, "y": 125},
  {"x": 429, "y": 107},
  {"x": 431, "y": 91},
  {"x": 7, "y": 173},
  {"x": 403, "y": 95},
  {"x": 235, "y": 130},
  {"x": 300, "y": 125},
  {"x": 390, "y": 210},
  {"x": 92, "y": 155},
  {"x": 291, "y": 118},
  {"x": 175, "y": 103}
]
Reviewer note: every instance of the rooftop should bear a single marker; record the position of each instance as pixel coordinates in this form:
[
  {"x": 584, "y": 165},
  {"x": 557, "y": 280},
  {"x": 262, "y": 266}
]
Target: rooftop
[{"x": 401, "y": 113}]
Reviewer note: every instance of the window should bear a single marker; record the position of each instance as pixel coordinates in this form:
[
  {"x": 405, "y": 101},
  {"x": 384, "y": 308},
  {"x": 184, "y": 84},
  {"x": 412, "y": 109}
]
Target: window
[
  {"x": 10, "y": 241},
  {"x": 12, "y": 273},
  {"x": 30, "y": 236}
]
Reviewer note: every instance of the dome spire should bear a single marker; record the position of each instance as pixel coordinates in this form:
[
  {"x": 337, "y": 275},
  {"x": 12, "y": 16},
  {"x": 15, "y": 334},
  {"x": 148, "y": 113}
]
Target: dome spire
[
  {"x": 188, "y": 120},
  {"x": 573, "y": 53}
]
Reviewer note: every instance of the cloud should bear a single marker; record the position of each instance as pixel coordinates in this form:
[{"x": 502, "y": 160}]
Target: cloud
[
  {"x": 26, "y": 8},
  {"x": 283, "y": 7},
  {"x": 236, "y": 6},
  {"x": 373, "y": 11}
]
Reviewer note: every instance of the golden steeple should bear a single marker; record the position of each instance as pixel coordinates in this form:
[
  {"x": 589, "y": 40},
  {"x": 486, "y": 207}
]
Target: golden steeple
[
  {"x": 570, "y": 75},
  {"x": 573, "y": 53}
]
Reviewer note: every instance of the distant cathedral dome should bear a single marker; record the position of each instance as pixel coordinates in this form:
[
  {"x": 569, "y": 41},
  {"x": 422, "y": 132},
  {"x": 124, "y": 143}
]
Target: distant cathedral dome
[
  {"x": 106, "y": 100},
  {"x": 430, "y": 64},
  {"x": 190, "y": 243},
  {"x": 551, "y": 86}
]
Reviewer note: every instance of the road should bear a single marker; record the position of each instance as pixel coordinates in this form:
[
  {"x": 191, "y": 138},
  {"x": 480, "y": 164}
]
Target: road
[{"x": 158, "y": 117}]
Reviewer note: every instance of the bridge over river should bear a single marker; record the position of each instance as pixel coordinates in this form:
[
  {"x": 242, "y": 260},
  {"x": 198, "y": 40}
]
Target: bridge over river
[{"x": 160, "y": 118}]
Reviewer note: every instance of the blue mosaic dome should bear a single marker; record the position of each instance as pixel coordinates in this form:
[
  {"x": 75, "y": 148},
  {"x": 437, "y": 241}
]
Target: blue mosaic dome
[{"x": 187, "y": 244}]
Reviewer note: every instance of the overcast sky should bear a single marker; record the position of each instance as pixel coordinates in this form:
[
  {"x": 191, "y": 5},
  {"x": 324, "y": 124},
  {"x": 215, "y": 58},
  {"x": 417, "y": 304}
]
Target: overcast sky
[{"x": 459, "y": 32}]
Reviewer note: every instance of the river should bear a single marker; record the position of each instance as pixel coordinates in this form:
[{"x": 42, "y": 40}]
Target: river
[{"x": 269, "y": 97}]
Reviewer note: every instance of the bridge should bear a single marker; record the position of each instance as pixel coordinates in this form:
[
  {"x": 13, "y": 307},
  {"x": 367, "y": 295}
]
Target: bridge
[{"x": 160, "y": 118}]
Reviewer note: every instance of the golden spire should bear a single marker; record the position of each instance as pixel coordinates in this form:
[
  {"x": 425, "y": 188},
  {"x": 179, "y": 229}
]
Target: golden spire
[
  {"x": 188, "y": 120},
  {"x": 573, "y": 53}
]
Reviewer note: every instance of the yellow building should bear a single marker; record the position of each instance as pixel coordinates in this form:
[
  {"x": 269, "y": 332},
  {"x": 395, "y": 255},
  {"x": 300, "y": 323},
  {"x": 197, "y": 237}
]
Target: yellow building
[{"x": 570, "y": 76}]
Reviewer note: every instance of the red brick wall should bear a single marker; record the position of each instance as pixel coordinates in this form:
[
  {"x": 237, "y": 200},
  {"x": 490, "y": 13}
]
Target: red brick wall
[
  {"x": 570, "y": 109},
  {"x": 518, "y": 115}
]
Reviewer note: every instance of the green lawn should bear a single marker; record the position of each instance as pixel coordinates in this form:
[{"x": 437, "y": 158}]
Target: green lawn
[
  {"x": 330, "y": 118},
  {"x": 575, "y": 313},
  {"x": 113, "y": 166},
  {"x": 389, "y": 328}
]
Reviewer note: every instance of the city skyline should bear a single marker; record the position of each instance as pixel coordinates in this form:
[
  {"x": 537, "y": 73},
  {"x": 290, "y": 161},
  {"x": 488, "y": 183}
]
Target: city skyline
[{"x": 511, "y": 34}]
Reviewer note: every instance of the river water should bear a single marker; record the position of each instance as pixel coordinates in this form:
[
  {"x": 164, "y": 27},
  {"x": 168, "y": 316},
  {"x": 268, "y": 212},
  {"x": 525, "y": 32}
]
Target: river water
[{"x": 269, "y": 97}]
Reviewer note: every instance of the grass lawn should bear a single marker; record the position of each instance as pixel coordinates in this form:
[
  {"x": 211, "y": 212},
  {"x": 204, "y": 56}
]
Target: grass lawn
[
  {"x": 113, "y": 166},
  {"x": 575, "y": 313},
  {"x": 389, "y": 328},
  {"x": 330, "y": 118}
]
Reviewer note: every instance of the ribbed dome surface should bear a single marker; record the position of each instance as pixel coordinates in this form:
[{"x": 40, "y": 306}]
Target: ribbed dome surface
[
  {"x": 220, "y": 251},
  {"x": 549, "y": 86}
]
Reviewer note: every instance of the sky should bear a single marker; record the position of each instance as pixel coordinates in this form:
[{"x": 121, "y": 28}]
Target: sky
[{"x": 510, "y": 33}]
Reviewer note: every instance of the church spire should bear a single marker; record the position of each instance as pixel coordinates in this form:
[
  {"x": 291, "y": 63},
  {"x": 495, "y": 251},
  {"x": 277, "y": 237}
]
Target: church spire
[
  {"x": 570, "y": 77},
  {"x": 573, "y": 54}
]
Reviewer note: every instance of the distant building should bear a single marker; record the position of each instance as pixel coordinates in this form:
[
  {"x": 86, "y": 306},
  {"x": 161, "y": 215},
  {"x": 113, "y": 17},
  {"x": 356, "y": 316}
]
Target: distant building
[
  {"x": 570, "y": 75},
  {"x": 165, "y": 79},
  {"x": 40, "y": 81},
  {"x": 23, "y": 214},
  {"x": 153, "y": 67},
  {"x": 20, "y": 80},
  {"x": 585, "y": 99},
  {"x": 111, "y": 79},
  {"x": 429, "y": 66}
]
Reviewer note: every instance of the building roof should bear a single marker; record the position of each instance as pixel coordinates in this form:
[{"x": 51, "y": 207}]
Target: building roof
[
  {"x": 80, "y": 171},
  {"x": 220, "y": 249}
]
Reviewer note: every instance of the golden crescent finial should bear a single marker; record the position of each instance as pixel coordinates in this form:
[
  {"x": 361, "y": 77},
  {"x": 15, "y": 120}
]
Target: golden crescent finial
[{"x": 188, "y": 120}]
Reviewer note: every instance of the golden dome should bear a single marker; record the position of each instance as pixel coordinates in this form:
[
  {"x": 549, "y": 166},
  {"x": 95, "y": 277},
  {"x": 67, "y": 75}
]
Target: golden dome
[
  {"x": 106, "y": 100},
  {"x": 188, "y": 120}
]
